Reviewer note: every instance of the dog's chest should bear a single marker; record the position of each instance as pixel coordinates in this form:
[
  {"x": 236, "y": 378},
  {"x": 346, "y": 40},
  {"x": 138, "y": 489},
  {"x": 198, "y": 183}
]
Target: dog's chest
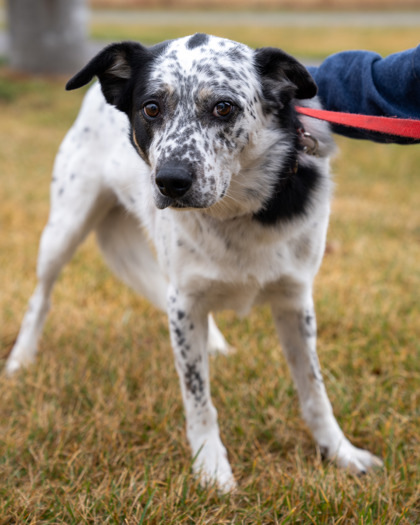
[
  {"x": 235, "y": 268},
  {"x": 243, "y": 282}
]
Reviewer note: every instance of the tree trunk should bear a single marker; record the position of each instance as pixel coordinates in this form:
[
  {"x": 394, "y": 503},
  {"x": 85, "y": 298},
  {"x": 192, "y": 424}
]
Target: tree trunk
[{"x": 47, "y": 36}]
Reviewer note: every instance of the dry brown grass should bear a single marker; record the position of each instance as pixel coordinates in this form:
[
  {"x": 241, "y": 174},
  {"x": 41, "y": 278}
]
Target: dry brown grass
[
  {"x": 94, "y": 432},
  {"x": 308, "y": 42}
]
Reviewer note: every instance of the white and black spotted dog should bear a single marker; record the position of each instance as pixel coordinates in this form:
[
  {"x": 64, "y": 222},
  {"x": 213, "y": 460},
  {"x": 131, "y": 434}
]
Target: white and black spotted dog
[{"x": 188, "y": 162}]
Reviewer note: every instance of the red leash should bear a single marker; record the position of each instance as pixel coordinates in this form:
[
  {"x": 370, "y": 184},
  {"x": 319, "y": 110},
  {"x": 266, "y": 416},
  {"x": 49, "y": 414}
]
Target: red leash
[{"x": 388, "y": 125}]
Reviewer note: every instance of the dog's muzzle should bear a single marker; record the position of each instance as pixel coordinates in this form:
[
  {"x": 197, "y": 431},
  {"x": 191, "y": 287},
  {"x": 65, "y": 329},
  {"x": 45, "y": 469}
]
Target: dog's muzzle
[{"x": 173, "y": 181}]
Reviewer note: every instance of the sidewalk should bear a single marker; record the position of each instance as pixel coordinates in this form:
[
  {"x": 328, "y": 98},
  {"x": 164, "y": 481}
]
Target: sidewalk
[{"x": 369, "y": 19}]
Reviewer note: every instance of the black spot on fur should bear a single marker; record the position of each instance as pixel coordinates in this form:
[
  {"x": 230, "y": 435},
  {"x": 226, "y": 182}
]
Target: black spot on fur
[
  {"x": 197, "y": 40},
  {"x": 194, "y": 382},
  {"x": 307, "y": 325},
  {"x": 236, "y": 54},
  {"x": 324, "y": 452}
]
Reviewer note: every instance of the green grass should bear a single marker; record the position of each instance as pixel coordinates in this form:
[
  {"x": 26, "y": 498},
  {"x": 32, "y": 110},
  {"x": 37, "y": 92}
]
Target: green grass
[{"x": 94, "y": 431}]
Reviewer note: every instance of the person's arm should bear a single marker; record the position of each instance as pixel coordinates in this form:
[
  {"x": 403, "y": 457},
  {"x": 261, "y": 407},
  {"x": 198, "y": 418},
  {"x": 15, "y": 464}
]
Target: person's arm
[{"x": 364, "y": 82}]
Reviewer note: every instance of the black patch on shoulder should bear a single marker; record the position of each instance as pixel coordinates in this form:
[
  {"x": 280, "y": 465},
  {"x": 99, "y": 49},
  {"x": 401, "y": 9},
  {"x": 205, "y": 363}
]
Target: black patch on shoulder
[
  {"x": 291, "y": 196},
  {"x": 199, "y": 39}
]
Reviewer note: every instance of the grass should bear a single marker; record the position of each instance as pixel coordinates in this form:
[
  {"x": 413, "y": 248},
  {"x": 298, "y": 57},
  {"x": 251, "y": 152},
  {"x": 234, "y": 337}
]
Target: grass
[
  {"x": 309, "y": 42},
  {"x": 94, "y": 431}
]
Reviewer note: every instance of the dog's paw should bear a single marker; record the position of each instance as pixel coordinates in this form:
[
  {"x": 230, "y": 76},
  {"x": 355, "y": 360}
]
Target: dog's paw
[
  {"x": 211, "y": 466},
  {"x": 22, "y": 354},
  {"x": 18, "y": 359},
  {"x": 14, "y": 364},
  {"x": 353, "y": 459}
]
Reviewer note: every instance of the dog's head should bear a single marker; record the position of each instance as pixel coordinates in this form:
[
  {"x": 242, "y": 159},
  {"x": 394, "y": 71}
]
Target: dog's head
[{"x": 202, "y": 110}]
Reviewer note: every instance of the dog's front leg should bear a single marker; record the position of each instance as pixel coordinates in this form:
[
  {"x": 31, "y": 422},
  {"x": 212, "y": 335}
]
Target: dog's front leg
[
  {"x": 296, "y": 328},
  {"x": 189, "y": 332}
]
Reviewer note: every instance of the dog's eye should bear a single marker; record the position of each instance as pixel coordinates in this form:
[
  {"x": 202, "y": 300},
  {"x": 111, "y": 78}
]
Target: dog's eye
[
  {"x": 151, "y": 110},
  {"x": 222, "y": 109}
]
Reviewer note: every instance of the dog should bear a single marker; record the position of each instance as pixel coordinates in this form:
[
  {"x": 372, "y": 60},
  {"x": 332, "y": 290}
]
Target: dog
[{"x": 190, "y": 162}]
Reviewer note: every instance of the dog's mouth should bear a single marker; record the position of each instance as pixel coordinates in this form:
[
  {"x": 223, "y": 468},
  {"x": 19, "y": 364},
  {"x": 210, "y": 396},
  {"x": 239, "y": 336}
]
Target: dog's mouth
[
  {"x": 192, "y": 200},
  {"x": 163, "y": 202},
  {"x": 173, "y": 204},
  {"x": 179, "y": 205}
]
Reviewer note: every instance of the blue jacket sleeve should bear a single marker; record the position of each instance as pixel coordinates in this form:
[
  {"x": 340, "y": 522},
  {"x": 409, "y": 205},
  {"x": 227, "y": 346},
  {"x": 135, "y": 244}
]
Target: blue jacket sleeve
[{"x": 364, "y": 82}]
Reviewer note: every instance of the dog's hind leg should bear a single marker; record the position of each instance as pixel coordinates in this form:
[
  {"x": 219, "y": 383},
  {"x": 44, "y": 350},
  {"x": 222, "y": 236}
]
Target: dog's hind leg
[
  {"x": 296, "y": 328},
  {"x": 216, "y": 343},
  {"x": 73, "y": 214}
]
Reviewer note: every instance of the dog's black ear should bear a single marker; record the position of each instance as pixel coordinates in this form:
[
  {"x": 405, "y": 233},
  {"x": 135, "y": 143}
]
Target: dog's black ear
[
  {"x": 276, "y": 65},
  {"x": 114, "y": 66}
]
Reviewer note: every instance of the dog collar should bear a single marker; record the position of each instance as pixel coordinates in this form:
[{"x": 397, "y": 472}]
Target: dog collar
[{"x": 308, "y": 142}]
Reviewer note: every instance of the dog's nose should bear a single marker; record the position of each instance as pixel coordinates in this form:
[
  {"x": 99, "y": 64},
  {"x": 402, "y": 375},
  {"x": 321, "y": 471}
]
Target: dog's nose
[{"x": 173, "y": 181}]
